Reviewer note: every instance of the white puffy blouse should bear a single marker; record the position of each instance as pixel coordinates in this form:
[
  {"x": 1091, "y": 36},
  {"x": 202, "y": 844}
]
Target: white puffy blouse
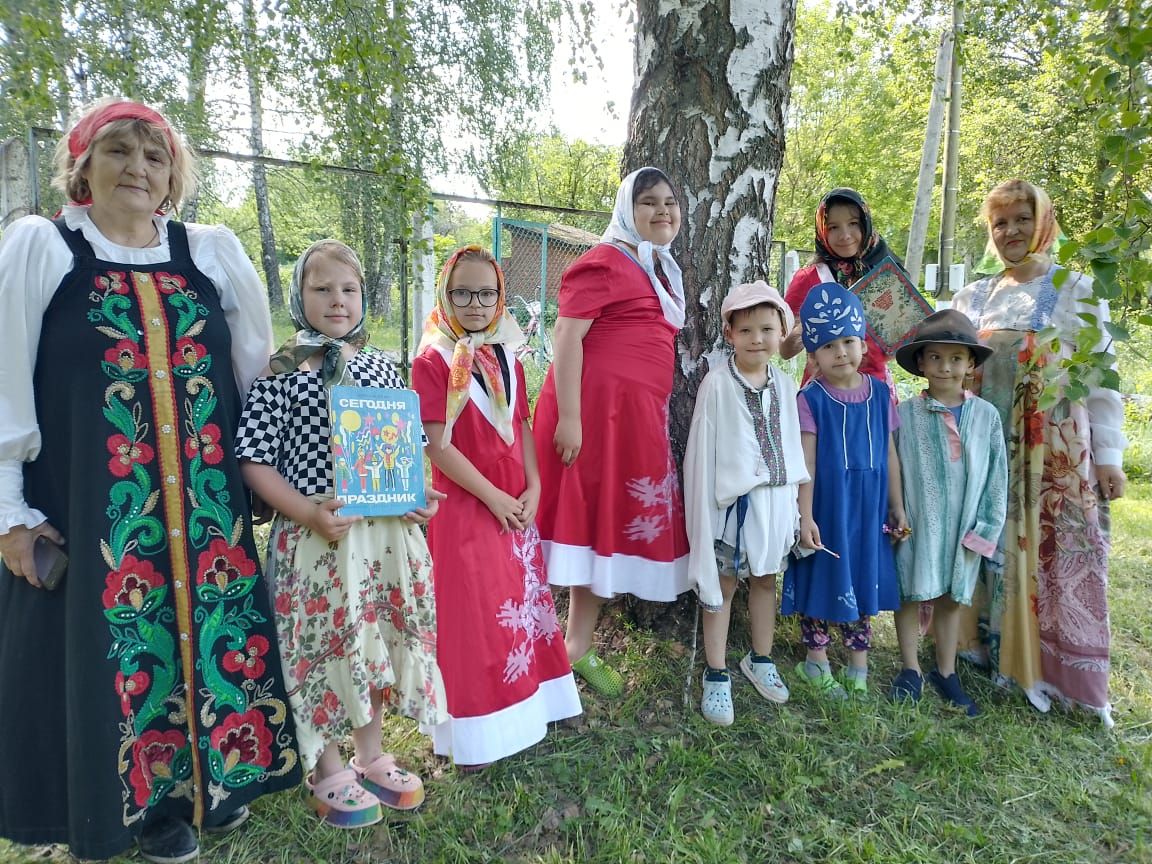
[
  {"x": 34, "y": 260},
  {"x": 1017, "y": 307}
]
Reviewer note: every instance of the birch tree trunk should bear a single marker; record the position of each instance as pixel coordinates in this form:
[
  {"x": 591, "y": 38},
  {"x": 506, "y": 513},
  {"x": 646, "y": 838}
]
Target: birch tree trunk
[
  {"x": 708, "y": 108},
  {"x": 259, "y": 176}
]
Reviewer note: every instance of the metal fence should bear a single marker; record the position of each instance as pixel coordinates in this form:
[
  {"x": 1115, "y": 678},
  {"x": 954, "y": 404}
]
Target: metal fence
[
  {"x": 534, "y": 256},
  {"x": 535, "y": 244}
]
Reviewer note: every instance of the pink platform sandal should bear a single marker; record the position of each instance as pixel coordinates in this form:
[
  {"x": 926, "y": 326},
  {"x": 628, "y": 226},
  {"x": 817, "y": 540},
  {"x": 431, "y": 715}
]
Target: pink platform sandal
[
  {"x": 341, "y": 801},
  {"x": 392, "y": 785}
]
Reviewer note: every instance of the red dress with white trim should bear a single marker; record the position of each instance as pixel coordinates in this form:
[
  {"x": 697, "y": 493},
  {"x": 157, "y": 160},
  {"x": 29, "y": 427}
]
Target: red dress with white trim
[
  {"x": 499, "y": 644},
  {"x": 614, "y": 519}
]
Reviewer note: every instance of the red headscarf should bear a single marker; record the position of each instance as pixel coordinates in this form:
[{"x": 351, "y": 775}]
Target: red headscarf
[{"x": 80, "y": 138}]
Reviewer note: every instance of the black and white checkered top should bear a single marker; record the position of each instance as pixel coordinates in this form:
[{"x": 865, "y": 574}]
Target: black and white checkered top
[{"x": 285, "y": 421}]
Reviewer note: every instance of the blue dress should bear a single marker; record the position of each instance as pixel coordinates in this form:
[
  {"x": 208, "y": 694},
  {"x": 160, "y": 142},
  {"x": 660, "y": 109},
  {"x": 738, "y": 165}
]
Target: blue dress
[{"x": 850, "y": 505}]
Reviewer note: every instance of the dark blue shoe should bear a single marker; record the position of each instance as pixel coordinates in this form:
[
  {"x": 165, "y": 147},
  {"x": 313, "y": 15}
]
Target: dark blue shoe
[
  {"x": 951, "y": 692},
  {"x": 907, "y": 686},
  {"x": 230, "y": 822}
]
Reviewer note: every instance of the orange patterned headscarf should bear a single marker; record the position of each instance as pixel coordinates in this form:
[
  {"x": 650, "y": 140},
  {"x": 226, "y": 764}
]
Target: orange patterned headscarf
[
  {"x": 1045, "y": 229},
  {"x": 441, "y": 328}
]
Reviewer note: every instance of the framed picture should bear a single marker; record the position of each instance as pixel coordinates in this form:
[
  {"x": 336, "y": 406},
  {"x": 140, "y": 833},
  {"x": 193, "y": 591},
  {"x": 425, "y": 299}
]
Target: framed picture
[{"x": 892, "y": 305}]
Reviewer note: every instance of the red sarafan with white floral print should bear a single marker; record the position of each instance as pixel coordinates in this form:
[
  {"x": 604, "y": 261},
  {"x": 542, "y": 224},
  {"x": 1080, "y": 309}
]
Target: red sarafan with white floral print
[
  {"x": 614, "y": 519},
  {"x": 501, "y": 648}
]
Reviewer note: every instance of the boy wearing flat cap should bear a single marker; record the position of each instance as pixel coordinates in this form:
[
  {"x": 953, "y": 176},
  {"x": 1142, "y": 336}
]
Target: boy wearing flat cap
[
  {"x": 955, "y": 477},
  {"x": 742, "y": 468}
]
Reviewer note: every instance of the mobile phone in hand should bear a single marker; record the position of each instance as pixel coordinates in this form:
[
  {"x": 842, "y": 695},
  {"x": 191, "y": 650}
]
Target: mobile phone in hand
[{"x": 51, "y": 562}]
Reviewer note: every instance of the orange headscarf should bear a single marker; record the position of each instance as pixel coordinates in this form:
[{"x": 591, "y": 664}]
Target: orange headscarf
[
  {"x": 1045, "y": 230},
  {"x": 442, "y": 328}
]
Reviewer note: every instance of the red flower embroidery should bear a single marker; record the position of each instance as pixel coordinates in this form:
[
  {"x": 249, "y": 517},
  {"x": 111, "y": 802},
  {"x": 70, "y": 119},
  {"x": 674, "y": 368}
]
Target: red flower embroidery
[
  {"x": 396, "y": 598},
  {"x": 418, "y": 588},
  {"x": 243, "y": 738},
  {"x": 126, "y": 453},
  {"x": 131, "y": 583},
  {"x": 168, "y": 282},
  {"x": 129, "y": 686},
  {"x": 112, "y": 282},
  {"x": 126, "y": 355},
  {"x": 207, "y": 443},
  {"x": 247, "y": 660},
  {"x": 331, "y": 701},
  {"x": 316, "y": 605},
  {"x": 152, "y": 755},
  {"x": 188, "y": 352},
  {"x": 283, "y": 603},
  {"x": 1033, "y": 428},
  {"x": 319, "y": 717},
  {"x": 223, "y": 564},
  {"x": 301, "y": 669},
  {"x": 339, "y": 617}
]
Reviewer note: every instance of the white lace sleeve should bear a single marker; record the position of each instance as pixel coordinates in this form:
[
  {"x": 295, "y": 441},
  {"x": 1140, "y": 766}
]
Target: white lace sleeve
[{"x": 1105, "y": 409}]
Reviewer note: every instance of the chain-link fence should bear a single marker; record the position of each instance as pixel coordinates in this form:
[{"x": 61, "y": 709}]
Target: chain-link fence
[
  {"x": 534, "y": 243},
  {"x": 534, "y": 256}
]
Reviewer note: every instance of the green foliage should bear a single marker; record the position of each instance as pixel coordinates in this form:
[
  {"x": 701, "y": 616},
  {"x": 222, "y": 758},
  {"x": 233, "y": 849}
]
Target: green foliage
[{"x": 550, "y": 169}]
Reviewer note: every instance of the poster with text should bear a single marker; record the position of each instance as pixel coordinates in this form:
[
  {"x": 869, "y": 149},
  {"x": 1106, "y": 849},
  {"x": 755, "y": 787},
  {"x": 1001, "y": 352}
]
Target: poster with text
[{"x": 377, "y": 450}]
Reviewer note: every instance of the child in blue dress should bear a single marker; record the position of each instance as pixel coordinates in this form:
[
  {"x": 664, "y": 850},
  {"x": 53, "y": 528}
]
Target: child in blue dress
[{"x": 846, "y": 571}]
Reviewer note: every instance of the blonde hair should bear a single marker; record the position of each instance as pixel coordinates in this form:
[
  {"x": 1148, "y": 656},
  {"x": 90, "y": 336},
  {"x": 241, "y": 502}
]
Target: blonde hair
[
  {"x": 342, "y": 252},
  {"x": 477, "y": 253},
  {"x": 1005, "y": 195},
  {"x": 69, "y": 177}
]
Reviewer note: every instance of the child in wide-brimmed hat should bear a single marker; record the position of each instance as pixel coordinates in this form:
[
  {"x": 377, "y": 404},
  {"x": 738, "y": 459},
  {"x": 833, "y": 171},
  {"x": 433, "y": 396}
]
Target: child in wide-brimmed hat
[
  {"x": 742, "y": 468},
  {"x": 955, "y": 477}
]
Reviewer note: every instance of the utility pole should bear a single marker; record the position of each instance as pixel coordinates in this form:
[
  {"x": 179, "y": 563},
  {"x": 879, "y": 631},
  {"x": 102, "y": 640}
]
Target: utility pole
[
  {"x": 929, "y": 158},
  {"x": 951, "y": 156}
]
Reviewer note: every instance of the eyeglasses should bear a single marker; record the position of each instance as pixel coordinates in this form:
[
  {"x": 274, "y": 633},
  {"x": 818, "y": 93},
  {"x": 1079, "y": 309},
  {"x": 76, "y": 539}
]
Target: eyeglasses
[{"x": 462, "y": 297}]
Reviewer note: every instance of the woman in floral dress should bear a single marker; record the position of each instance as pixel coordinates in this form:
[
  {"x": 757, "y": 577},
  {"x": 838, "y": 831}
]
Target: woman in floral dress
[
  {"x": 140, "y": 698},
  {"x": 1045, "y": 617}
]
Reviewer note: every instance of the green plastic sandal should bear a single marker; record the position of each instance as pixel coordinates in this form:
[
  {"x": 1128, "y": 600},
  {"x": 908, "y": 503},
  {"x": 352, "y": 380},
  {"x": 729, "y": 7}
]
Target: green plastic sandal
[
  {"x": 602, "y": 678},
  {"x": 853, "y": 686},
  {"x": 823, "y": 685}
]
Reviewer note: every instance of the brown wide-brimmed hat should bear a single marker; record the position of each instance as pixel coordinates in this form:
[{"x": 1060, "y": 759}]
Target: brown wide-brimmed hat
[{"x": 948, "y": 326}]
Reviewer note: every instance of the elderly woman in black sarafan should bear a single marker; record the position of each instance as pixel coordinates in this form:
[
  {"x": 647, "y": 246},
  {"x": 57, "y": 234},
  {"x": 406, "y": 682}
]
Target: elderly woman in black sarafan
[{"x": 141, "y": 696}]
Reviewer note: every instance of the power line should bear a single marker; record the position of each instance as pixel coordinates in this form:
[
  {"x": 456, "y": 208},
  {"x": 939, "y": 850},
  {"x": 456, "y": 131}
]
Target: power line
[{"x": 273, "y": 162}]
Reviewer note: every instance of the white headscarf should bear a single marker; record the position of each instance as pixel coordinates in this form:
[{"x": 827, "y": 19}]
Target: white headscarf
[{"x": 623, "y": 228}]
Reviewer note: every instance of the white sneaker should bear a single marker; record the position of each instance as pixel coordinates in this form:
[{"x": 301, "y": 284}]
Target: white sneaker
[
  {"x": 716, "y": 703},
  {"x": 765, "y": 679}
]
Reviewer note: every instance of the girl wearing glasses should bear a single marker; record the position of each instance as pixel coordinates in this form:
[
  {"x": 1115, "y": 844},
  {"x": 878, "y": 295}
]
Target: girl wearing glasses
[{"x": 500, "y": 649}]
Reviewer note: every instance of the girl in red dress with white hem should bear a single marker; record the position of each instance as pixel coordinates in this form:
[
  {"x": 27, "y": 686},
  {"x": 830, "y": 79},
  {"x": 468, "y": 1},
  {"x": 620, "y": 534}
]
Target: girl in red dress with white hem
[
  {"x": 611, "y": 513},
  {"x": 505, "y": 670}
]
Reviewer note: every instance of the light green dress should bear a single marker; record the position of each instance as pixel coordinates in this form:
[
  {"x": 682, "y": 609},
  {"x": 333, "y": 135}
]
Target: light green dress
[{"x": 955, "y": 482}]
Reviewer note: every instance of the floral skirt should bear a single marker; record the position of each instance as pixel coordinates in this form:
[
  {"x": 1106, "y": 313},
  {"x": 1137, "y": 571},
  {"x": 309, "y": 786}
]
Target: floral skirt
[
  {"x": 1043, "y": 615},
  {"x": 352, "y": 617}
]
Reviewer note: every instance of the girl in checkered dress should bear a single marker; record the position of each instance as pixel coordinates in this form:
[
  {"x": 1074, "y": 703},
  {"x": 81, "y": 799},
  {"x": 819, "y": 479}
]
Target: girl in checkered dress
[{"x": 355, "y": 608}]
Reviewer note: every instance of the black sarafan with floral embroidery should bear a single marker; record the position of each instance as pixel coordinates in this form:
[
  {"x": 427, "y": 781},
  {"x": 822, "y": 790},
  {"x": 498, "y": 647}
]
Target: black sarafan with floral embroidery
[{"x": 151, "y": 676}]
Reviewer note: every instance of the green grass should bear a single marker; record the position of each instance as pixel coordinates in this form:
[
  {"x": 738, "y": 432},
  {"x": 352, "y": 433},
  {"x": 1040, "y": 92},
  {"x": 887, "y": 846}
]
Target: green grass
[{"x": 649, "y": 780}]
